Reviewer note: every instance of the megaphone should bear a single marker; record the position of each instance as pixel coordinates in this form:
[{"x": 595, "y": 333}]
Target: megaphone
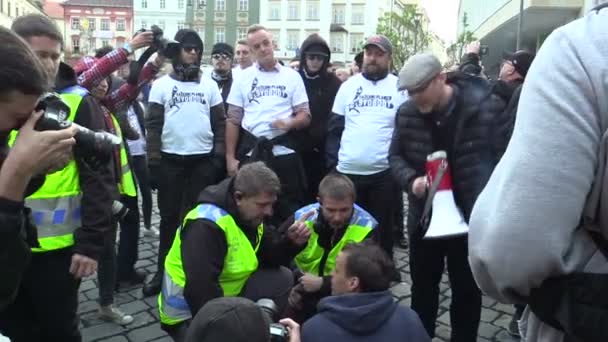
[{"x": 446, "y": 218}]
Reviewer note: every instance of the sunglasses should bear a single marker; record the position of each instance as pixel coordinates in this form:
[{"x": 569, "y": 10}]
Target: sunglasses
[
  {"x": 317, "y": 57},
  {"x": 191, "y": 48},
  {"x": 219, "y": 56}
]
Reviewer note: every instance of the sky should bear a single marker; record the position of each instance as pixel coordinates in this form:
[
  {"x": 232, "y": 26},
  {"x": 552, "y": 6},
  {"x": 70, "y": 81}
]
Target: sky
[{"x": 443, "y": 15}]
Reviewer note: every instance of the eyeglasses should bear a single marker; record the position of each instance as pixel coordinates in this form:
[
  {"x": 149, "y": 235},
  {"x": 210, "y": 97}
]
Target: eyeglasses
[
  {"x": 317, "y": 57},
  {"x": 191, "y": 48},
  {"x": 223, "y": 56}
]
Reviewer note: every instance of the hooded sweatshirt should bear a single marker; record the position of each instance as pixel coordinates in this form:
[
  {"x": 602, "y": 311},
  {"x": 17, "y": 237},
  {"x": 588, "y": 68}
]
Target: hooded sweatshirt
[
  {"x": 364, "y": 317},
  {"x": 204, "y": 248},
  {"x": 321, "y": 89}
]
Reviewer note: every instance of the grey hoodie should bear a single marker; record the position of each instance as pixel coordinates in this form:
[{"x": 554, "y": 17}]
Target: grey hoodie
[{"x": 523, "y": 228}]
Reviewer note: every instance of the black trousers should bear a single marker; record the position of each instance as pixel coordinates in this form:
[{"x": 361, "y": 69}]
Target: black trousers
[
  {"x": 47, "y": 303},
  {"x": 427, "y": 262},
  {"x": 378, "y": 195},
  {"x": 314, "y": 166},
  {"x": 129, "y": 238},
  {"x": 106, "y": 270},
  {"x": 140, "y": 168},
  {"x": 182, "y": 180},
  {"x": 271, "y": 283}
]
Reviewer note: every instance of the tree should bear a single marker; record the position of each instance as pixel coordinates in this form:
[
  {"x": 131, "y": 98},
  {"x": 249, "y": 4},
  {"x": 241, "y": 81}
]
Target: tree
[
  {"x": 407, "y": 31},
  {"x": 456, "y": 50}
]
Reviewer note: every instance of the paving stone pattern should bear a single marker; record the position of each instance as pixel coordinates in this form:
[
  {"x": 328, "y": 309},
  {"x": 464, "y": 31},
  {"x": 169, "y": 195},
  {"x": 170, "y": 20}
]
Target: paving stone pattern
[{"x": 145, "y": 327}]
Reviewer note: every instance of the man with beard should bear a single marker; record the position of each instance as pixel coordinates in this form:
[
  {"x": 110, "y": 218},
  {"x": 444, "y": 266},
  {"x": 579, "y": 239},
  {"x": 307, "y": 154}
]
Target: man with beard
[
  {"x": 221, "y": 58},
  {"x": 223, "y": 249},
  {"x": 360, "y": 131},
  {"x": 321, "y": 88}
]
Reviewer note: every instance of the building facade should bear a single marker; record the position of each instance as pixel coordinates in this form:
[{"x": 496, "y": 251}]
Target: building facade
[
  {"x": 91, "y": 24},
  {"x": 169, "y": 15},
  {"x": 11, "y": 9},
  {"x": 54, "y": 10}
]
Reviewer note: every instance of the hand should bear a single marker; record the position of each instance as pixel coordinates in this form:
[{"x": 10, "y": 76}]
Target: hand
[
  {"x": 142, "y": 39},
  {"x": 284, "y": 124},
  {"x": 299, "y": 233},
  {"x": 419, "y": 186},
  {"x": 293, "y": 328},
  {"x": 474, "y": 47},
  {"x": 232, "y": 165},
  {"x": 82, "y": 266},
  {"x": 35, "y": 152},
  {"x": 311, "y": 282}
]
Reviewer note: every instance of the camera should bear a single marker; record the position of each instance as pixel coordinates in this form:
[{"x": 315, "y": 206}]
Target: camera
[
  {"x": 119, "y": 210},
  {"x": 483, "y": 50},
  {"x": 56, "y": 112},
  {"x": 278, "y": 332},
  {"x": 167, "y": 47}
]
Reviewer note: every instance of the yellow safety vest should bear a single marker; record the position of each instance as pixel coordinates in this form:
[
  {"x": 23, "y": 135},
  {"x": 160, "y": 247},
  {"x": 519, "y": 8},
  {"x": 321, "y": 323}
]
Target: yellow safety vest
[
  {"x": 309, "y": 259},
  {"x": 127, "y": 184},
  {"x": 240, "y": 262}
]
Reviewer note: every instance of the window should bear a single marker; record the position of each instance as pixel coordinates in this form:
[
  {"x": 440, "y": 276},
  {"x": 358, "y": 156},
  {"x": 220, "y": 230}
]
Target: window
[
  {"x": 105, "y": 42},
  {"x": 105, "y": 24},
  {"x": 274, "y": 11},
  {"x": 180, "y": 25},
  {"x": 241, "y": 33},
  {"x": 201, "y": 32},
  {"x": 312, "y": 10},
  {"x": 180, "y": 4},
  {"x": 144, "y": 3},
  {"x": 337, "y": 42},
  {"x": 276, "y": 39},
  {"x": 76, "y": 44},
  {"x": 120, "y": 24},
  {"x": 75, "y": 23},
  {"x": 144, "y": 24},
  {"x": 161, "y": 24},
  {"x": 338, "y": 14},
  {"x": 163, "y": 4},
  {"x": 356, "y": 41},
  {"x": 92, "y": 24},
  {"x": 92, "y": 43},
  {"x": 294, "y": 10},
  {"x": 220, "y": 35},
  {"x": 293, "y": 39},
  {"x": 220, "y": 5},
  {"x": 243, "y": 5},
  {"x": 358, "y": 16}
]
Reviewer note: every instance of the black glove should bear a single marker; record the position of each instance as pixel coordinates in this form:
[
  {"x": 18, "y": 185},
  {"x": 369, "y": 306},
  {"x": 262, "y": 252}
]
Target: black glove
[{"x": 154, "y": 175}]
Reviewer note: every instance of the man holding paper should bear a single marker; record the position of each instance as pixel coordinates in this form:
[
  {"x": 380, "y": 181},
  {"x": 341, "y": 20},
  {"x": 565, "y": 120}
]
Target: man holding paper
[{"x": 452, "y": 121}]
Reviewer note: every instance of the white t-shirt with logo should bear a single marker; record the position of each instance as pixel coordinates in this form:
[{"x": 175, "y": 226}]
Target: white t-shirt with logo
[
  {"x": 266, "y": 96},
  {"x": 136, "y": 147},
  {"x": 187, "y": 128},
  {"x": 369, "y": 111}
]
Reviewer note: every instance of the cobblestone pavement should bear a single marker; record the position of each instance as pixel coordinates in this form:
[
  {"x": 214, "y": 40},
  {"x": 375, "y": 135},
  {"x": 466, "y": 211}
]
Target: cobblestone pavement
[{"x": 145, "y": 327}]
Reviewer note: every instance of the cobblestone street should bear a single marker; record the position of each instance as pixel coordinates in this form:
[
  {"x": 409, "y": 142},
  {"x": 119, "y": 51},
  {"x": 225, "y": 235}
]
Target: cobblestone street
[{"x": 145, "y": 327}]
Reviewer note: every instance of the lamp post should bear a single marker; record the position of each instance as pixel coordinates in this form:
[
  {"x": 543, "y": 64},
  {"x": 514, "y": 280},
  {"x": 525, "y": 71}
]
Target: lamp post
[{"x": 520, "y": 24}]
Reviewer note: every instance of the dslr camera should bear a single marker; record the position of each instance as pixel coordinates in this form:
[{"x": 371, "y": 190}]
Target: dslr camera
[
  {"x": 166, "y": 47},
  {"x": 278, "y": 332},
  {"x": 56, "y": 112}
]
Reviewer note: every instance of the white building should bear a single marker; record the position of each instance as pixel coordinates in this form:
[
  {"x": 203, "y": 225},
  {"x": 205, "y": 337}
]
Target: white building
[
  {"x": 169, "y": 15},
  {"x": 344, "y": 24},
  {"x": 10, "y": 9}
]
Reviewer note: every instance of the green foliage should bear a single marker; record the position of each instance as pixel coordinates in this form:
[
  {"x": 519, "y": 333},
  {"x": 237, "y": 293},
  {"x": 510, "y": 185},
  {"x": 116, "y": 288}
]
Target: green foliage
[
  {"x": 407, "y": 31},
  {"x": 456, "y": 50}
]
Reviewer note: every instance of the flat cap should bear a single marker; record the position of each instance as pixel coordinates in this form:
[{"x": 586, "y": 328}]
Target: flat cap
[{"x": 418, "y": 71}]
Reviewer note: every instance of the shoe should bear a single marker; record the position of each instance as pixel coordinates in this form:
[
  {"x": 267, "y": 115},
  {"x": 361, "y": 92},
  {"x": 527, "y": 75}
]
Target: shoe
[
  {"x": 134, "y": 278},
  {"x": 153, "y": 287},
  {"x": 513, "y": 328},
  {"x": 112, "y": 314},
  {"x": 152, "y": 232}
]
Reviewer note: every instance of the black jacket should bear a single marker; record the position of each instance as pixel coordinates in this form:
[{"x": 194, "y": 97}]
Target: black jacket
[
  {"x": 321, "y": 89},
  {"x": 481, "y": 134},
  {"x": 97, "y": 180},
  {"x": 204, "y": 248}
]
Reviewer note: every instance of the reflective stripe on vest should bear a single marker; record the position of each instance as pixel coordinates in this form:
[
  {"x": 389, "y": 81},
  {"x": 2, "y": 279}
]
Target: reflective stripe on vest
[
  {"x": 309, "y": 259},
  {"x": 127, "y": 183},
  {"x": 56, "y": 205},
  {"x": 240, "y": 262}
]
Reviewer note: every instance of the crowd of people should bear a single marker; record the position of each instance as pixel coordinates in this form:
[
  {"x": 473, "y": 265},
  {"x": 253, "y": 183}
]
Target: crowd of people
[{"x": 280, "y": 188}]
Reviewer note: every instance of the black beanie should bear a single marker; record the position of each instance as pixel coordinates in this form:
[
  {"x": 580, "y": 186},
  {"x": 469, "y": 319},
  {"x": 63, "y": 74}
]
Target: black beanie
[{"x": 222, "y": 48}]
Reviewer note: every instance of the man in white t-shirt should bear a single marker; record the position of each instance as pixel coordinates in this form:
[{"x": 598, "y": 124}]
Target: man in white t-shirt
[
  {"x": 185, "y": 123},
  {"x": 243, "y": 57},
  {"x": 266, "y": 102},
  {"x": 360, "y": 132}
]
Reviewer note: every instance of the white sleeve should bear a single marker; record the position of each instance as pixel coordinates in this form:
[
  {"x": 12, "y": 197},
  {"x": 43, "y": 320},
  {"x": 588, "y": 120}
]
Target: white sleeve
[
  {"x": 157, "y": 92},
  {"x": 235, "y": 97},
  {"x": 215, "y": 97},
  {"x": 339, "y": 105},
  {"x": 299, "y": 93}
]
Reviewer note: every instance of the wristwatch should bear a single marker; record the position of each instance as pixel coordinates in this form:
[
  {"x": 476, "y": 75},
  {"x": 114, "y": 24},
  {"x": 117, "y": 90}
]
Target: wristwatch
[{"x": 128, "y": 47}]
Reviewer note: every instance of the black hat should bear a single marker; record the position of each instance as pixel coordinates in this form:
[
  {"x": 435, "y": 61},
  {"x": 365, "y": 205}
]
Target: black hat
[
  {"x": 222, "y": 48},
  {"x": 521, "y": 60}
]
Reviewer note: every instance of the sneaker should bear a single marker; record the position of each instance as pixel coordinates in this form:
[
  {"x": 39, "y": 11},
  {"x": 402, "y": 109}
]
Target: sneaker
[
  {"x": 151, "y": 232},
  {"x": 112, "y": 314},
  {"x": 513, "y": 328}
]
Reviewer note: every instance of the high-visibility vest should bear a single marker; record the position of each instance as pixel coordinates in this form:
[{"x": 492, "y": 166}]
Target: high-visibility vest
[
  {"x": 127, "y": 183},
  {"x": 240, "y": 262},
  {"x": 309, "y": 259}
]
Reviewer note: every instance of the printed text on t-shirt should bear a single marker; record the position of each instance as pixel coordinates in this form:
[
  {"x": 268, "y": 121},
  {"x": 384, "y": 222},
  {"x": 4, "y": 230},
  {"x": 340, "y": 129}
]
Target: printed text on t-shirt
[
  {"x": 258, "y": 91},
  {"x": 370, "y": 101},
  {"x": 178, "y": 97}
]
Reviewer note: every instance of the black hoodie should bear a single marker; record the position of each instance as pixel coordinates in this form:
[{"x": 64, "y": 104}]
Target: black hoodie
[
  {"x": 97, "y": 180},
  {"x": 204, "y": 247},
  {"x": 321, "y": 89}
]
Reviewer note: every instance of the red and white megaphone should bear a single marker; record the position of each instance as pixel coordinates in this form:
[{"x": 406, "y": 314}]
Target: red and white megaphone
[{"x": 446, "y": 218}]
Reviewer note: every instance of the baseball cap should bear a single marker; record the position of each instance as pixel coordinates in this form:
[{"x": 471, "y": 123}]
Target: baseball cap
[
  {"x": 418, "y": 71},
  {"x": 521, "y": 60},
  {"x": 381, "y": 42}
]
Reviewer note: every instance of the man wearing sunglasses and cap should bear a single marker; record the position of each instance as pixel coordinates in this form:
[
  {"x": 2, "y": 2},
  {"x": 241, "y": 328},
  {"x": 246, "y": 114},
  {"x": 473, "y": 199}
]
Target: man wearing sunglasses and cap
[{"x": 459, "y": 114}]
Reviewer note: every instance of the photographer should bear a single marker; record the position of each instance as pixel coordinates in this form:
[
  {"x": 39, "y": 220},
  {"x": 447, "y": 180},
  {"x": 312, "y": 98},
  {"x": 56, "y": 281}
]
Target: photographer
[{"x": 33, "y": 153}]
